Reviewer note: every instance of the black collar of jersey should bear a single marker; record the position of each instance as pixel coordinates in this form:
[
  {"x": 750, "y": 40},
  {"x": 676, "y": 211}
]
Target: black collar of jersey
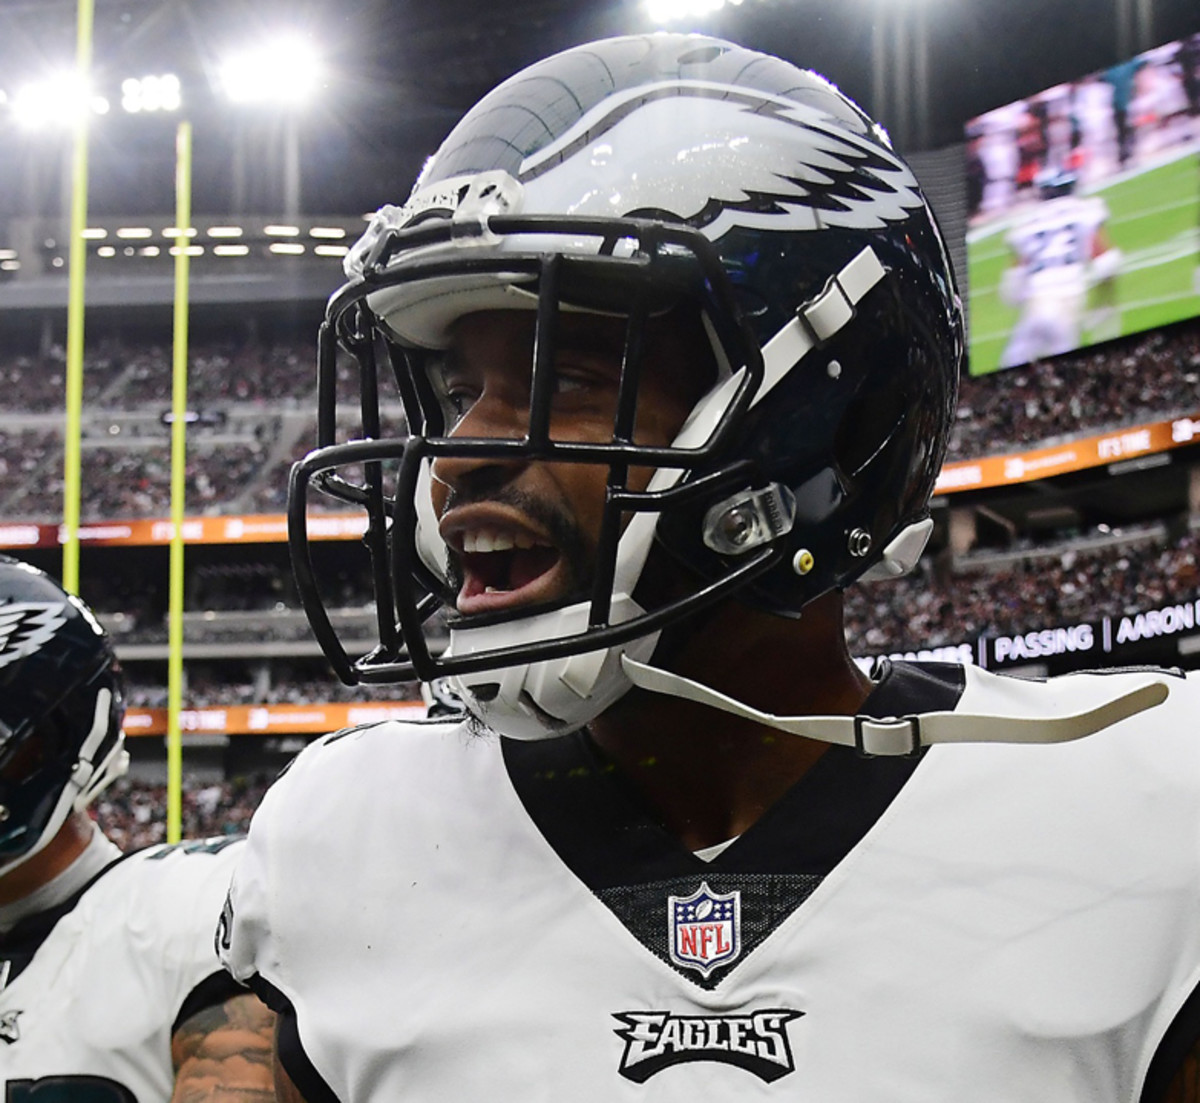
[
  {"x": 600, "y": 828},
  {"x": 602, "y": 831}
]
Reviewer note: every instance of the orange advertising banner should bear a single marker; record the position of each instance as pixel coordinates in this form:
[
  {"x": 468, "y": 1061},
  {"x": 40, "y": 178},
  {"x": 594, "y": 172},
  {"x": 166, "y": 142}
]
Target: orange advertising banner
[
  {"x": 1072, "y": 455},
  {"x": 272, "y": 719},
  {"x": 255, "y": 528}
]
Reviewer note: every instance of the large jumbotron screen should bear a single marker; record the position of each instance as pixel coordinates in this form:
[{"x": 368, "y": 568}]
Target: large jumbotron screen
[{"x": 1084, "y": 210}]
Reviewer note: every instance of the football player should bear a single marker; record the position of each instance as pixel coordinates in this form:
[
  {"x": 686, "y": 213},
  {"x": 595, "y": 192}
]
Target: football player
[
  {"x": 679, "y": 345},
  {"x": 110, "y": 987},
  {"x": 1061, "y": 253}
]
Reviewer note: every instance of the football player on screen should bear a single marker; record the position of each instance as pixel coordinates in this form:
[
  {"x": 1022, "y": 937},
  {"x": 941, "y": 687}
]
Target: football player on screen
[
  {"x": 110, "y": 987},
  {"x": 679, "y": 344},
  {"x": 1061, "y": 255}
]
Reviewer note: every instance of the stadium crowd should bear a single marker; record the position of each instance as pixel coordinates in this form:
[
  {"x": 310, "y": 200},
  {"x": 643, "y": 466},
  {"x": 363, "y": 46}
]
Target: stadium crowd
[
  {"x": 244, "y": 469},
  {"x": 285, "y": 687},
  {"x": 133, "y": 813},
  {"x": 935, "y": 606},
  {"x": 125, "y": 375},
  {"x": 1152, "y": 376},
  {"x": 943, "y": 602}
]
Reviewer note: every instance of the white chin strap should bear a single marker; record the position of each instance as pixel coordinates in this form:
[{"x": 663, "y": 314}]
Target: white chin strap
[{"x": 906, "y": 735}]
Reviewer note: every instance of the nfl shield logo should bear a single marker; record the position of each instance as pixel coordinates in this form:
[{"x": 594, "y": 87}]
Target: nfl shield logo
[{"x": 704, "y": 929}]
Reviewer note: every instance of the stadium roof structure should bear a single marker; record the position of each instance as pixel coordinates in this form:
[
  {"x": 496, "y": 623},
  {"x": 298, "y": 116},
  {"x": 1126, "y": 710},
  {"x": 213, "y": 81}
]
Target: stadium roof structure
[{"x": 399, "y": 74}]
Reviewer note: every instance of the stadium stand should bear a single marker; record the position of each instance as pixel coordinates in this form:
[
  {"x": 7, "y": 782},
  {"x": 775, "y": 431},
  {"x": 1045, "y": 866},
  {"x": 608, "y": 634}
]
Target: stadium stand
[
  {"x": 1033, "y": 586},
  {"x": 252, "y": 419},
  {"x": 133, "y": 812},
  {"x": 1153, "y": 375}
]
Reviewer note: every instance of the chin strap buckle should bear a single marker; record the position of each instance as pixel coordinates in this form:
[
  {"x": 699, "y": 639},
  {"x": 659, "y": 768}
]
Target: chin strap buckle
[{"x": 888, "y": 732}]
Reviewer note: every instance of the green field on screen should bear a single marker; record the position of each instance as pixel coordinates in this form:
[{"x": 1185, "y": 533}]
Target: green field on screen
[{"x": 1153, "y": 219}]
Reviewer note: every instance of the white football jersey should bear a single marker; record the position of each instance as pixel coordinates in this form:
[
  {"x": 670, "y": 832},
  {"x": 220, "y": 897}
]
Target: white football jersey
[
  {"x": 445, "y": 915},
  {"x": 1054, "y": 249},
  {"x": 95, "y": 987},
  {"x": 1055, "y": 243}
]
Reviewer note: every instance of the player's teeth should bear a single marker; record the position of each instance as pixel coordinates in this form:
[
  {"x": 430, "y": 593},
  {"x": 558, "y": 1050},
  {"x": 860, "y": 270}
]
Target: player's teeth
[
  {"x": 492, "y": 540},
  {"x": 492, "y": 590}
]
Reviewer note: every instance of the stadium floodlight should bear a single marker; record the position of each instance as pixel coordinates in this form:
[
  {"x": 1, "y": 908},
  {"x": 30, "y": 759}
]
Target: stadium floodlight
[
  {"x": 152, "y": 93},
  {"x": 285, "y": 71},
  {"x": 662, "y": 12},
  {"x": 58, "y": 100}
]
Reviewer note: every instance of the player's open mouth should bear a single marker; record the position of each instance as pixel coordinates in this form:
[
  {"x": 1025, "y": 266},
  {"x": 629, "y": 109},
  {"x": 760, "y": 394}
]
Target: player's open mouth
[{"x": 504, "y": 565}]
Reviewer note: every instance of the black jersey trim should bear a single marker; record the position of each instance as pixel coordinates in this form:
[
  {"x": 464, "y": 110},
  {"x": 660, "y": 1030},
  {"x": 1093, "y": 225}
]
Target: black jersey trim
[
  {"x": 1180, "y": 1038},
  {"x": 590, "y": 814},
  {"x": 288, "y": 1048},
  {"x": 596, "y": 822},
  {"x": 914, "y": 687},
  {"x": 214, "y": 989}
]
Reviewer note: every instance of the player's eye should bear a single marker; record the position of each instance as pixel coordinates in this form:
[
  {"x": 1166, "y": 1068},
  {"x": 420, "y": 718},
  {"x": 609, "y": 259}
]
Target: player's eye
[
  {"x": 566, "y": 382},
  {"x": 457, "y": 400},
  {"x": 456, "y": 390},
  {"x": 577, "y": 373}
]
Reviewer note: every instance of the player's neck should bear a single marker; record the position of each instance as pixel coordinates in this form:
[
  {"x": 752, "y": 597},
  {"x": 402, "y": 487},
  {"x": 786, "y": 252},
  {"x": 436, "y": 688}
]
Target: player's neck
[
  {"x": 54, "y": 858},
  {"x": 707, "y": 774}
]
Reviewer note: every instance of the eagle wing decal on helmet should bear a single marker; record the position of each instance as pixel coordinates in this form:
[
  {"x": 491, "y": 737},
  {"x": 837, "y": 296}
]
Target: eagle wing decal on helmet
[
  {"x": 846, "y": 180},
  {"x": 26, "y": 626}
]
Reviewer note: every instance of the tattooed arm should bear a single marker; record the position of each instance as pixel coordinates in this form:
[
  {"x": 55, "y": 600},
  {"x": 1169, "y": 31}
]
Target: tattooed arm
[{"x": 223, "y": 1054}]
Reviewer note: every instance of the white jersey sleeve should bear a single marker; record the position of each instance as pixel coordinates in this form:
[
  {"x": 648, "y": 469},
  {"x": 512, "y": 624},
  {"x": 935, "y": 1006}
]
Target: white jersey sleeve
[
  {"x": 91, "y": 1003},
  {"x": 249, "y": 919},
  {"x": 299, "y": 825}
]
